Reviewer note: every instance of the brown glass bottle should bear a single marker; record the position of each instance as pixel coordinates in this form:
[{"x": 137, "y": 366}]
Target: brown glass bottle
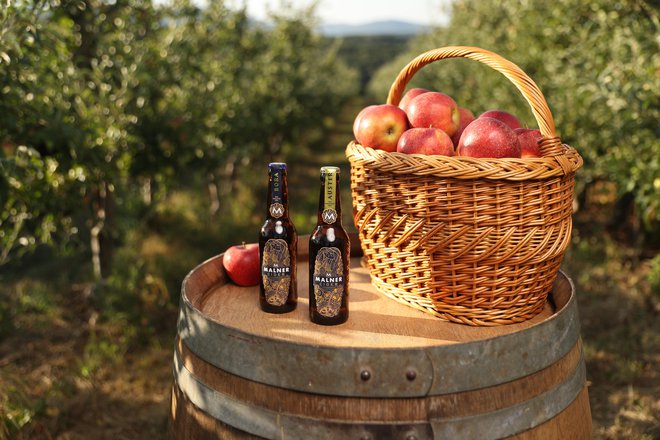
[
  {"x": 277, "y": 247},
  {"x": 329, "y": 256}
]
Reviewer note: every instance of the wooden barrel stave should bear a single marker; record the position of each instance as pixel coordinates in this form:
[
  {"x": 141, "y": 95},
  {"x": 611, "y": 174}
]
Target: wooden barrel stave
[
  {"x": 381, "y": 409},
  {"x": 193, "y": 423},
  {"x": 265, "y": 410}
]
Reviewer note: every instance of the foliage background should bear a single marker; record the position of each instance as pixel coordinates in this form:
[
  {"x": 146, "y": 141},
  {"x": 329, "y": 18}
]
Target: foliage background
[{"x": 133, "y": 135}]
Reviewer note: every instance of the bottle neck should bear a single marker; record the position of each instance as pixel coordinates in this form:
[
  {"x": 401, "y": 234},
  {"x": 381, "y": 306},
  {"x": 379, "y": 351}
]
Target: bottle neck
[
  {"x": 278, "y": 195},
  {"x": 329, "y": 212}
]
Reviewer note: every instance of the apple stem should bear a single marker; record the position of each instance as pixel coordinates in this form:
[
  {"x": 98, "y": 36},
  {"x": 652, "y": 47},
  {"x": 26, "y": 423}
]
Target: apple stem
[{"x": 243, "y": 244}]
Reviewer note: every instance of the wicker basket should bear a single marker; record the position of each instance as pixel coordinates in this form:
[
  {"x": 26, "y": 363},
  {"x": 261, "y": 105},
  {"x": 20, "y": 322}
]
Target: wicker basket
[{"x": 473, "y": 241}]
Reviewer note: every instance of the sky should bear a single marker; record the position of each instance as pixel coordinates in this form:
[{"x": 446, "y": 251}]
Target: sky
[{"x": 426, "y": 12}]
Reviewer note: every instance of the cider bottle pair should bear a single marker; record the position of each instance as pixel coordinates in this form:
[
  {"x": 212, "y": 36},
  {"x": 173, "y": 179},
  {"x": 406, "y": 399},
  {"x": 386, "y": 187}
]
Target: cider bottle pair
[{"x": 329, "y": 256}]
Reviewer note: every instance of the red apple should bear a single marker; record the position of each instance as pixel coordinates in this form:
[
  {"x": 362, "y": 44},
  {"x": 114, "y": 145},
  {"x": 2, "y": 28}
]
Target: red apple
[
  {"x": 488, "y": 137},
  {"x": 425, "y": 141},
  {"x": 380, "y": 126},
  {"x": 434, "y": 109},
  {"x": 529, "y": 142},
  {"x": 410, "y": 94},
  {"x": 503, "y": 116},
  {"x": 465, "y": 117},
  {"x": 356, "y": 123},
  {"x": 241, "y": 263}
]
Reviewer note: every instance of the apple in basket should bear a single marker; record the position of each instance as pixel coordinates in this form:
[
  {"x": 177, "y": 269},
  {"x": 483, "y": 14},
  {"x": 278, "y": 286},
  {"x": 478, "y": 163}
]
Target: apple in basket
[
  {"x": 503, "y": 116},
  {"x": 529, "y": 142},
  {"x": 380, "y": 126},
  {"x": 434, "y": 110},
  {"x": 241, "y": 263},
  {"x": 410, "y": 94},
  {"x": 465, "y": 117},
  {"x": 488, "y": 137},
  {"x": 425, "y": 141}
]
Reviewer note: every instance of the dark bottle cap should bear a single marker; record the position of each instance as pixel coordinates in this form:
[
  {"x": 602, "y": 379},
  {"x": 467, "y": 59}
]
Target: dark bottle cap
[{"x": 276, "y": 166}]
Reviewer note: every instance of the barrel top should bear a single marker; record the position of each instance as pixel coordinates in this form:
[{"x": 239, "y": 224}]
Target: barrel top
[
  {"x": 375, "y": 321},
  {"x": 385, "y": 349}
]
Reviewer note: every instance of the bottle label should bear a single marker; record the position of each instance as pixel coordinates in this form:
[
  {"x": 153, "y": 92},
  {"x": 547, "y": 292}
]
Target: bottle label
[
  {"x": 276, "y": 210},
  {"x": 328, "y": 281},
  {"x": 276, "y": 207},
  {"x": 329, "y": 214},
  {"x": 276, "y": 271}
]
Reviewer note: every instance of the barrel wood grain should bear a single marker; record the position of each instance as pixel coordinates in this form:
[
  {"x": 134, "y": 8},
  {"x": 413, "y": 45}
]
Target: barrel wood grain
[
  {"x": 381, "y": 410},
  {"x": 194, "y": 424}
]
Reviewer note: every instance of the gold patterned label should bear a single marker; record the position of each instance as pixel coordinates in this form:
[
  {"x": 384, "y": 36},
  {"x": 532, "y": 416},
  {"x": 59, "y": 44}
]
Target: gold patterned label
[
  {"x": 328, "y": 281},
  {"x": 276, "y": 271}
]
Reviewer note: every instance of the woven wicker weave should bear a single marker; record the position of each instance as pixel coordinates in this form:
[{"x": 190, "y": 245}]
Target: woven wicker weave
[{"x": 474, "y": 241}]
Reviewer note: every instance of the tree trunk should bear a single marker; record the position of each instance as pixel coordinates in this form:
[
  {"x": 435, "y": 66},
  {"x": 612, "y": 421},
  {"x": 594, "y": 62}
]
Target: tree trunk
[
  {"x": 13, "y": 237},
  {"x": 625, "y": 223},
  {"x": 107, "y": 237},
  {"x": 214, "y": 195},
  {"x": 147, "y": 191},
  {"x": 95, "y": 232},
  {"x": 231, "y": 175},
  {"x": 101, "y": 243}
]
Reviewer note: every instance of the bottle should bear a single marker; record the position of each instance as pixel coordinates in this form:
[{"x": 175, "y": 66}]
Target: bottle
[
  {"x": 277, "y": 247},
  {"x": 329, "y": 256}
]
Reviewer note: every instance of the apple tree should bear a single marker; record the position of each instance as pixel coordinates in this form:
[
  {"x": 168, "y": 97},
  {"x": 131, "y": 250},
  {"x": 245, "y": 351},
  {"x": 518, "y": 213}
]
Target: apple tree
[
  {"x": 66, "y": 101},
  {"x": 102, "y": 98},
  {"x": 230, "y": 91},
  {"x": 30, "y": 181}
]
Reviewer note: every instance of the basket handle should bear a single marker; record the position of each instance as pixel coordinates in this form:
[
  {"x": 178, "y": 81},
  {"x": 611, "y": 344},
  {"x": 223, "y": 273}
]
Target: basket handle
[{"x": 550, "y": 144}]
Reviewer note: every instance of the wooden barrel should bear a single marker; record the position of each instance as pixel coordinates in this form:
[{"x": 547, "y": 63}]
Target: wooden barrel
[{"x": 389, "y": 372}]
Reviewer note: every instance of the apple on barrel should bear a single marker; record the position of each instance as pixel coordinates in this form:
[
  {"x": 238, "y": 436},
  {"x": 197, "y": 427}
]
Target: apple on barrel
[{"x": 241, "y": 263}]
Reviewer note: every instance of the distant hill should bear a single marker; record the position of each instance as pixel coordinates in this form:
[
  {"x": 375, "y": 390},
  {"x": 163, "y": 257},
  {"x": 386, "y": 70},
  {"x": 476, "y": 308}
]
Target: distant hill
[{"x": 392, "y": 27}]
